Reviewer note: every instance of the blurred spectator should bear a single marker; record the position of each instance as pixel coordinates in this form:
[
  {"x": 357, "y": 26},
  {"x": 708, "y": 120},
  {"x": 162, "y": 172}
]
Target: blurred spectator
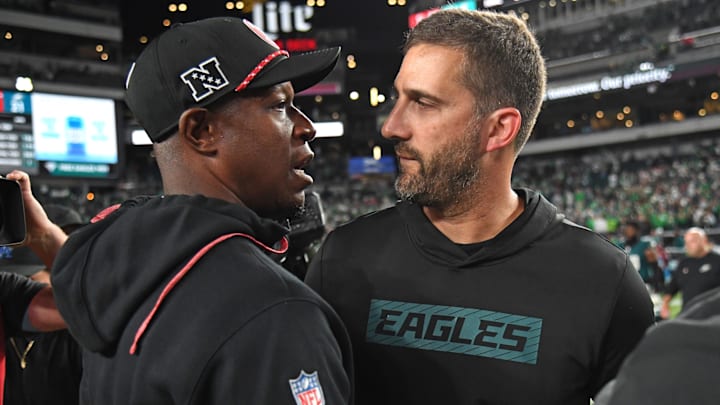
[
  {"x": 642, "y": 250},
  {"x": 41, "y": 368},
  {"x": 25, "y": 305},
  {"x": 698, "y": 272},
  {"x": 65, "y": 217}
]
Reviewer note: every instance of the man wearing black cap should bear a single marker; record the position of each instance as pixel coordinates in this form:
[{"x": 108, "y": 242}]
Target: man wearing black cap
[
  {"x": 177, "y": 299},
  {"x": 68, "y": 219}
]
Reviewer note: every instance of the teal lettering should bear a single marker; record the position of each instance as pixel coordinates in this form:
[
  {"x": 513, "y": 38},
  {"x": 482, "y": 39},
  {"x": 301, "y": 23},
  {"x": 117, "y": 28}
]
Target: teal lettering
[{"x": 465, "y": 331}]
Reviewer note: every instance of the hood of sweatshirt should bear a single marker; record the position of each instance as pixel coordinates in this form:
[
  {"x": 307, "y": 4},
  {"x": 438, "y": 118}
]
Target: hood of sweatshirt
[
  {"x": 538, "y": 216},
  {"x": 107, "y": 269}
]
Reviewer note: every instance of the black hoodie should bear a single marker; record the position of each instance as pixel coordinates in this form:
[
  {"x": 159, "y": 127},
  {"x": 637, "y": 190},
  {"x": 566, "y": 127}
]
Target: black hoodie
[
  {"x": 676, "y": 363},
  {"x": 176, "y": 301},
  {"x": 543, "y": 313}
]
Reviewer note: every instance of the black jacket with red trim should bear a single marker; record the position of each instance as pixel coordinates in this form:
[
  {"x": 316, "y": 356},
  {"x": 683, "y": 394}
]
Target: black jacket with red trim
[{"x": 176, "y": 300}]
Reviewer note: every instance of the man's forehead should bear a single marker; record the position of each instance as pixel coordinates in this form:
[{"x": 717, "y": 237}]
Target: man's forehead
[
  {"x": 430, "y": 69},
  {"x": 428, "y": 56},
  {"x": 284, "y": 88},
  {"x": 281, "y": 89},
  {"x": 693, "y": 236}
]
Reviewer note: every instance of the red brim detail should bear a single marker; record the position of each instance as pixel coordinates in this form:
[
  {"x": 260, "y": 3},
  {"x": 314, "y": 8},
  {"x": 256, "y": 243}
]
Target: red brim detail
[{"x": 249, "y": 78}]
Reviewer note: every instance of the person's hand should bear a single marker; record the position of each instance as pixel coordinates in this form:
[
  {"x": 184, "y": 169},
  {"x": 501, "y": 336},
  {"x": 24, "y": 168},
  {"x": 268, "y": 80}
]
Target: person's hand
[
  {"x": 42, "y": 236},
  {"x": 36, "y": 219},
  {"x": 665, "y": 311}
]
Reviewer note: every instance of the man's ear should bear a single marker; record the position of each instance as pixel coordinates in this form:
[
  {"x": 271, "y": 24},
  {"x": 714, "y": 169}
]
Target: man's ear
[
  {"x": 194, "y": 128},
  {"x": 504, "y": 124}
]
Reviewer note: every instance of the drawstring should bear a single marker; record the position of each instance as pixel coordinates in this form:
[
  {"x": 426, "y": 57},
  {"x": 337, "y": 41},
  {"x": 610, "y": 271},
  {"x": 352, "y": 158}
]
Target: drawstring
[{"x": 176, "y": 279}]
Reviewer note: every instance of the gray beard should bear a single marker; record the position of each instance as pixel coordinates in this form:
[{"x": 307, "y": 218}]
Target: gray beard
[{"x": 443, "y": 179}]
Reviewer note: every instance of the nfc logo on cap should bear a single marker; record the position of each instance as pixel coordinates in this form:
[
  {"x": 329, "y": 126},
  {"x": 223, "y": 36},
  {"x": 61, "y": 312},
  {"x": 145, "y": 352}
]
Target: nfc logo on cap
[{"x": 205, "y": 79}]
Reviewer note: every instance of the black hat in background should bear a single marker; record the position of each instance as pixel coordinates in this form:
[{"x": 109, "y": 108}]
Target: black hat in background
[
  {"x": 195, "y": 64},
  {"x": 66, "y": 218},
  {"x": 20, "y": 260}
]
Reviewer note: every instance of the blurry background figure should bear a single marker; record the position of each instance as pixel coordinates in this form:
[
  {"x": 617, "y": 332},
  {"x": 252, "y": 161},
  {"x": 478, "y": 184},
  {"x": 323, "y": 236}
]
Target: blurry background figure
[
  {"x": 647, "y": 255},
  {"x": 41, "y": 368},
  {"x": 66, "y": 218},
  {"x": 696, "y": 273},
  {"x": 644, "y": 252},
  {"x": 307, "y": 230}
]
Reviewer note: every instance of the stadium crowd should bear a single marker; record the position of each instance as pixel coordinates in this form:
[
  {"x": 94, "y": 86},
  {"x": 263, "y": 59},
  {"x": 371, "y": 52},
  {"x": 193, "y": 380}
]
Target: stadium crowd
[
  {"x": 669, "y": 187},
  {"x": 658, "y": 27}
]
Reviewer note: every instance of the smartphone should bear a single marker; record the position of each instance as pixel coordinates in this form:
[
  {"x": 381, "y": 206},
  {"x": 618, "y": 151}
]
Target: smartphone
[{"x": 12, "y": 213}]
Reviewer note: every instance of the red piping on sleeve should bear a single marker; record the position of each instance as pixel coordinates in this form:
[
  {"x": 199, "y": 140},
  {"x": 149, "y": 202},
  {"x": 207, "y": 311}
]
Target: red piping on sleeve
[
  {"x": 104, "y": 213},
  {"x": 189, "y": 265}
]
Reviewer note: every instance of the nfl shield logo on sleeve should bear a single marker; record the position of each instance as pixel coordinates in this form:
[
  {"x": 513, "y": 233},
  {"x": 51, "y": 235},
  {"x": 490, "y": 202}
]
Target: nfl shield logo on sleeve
[{"x": 306, "y": 389}]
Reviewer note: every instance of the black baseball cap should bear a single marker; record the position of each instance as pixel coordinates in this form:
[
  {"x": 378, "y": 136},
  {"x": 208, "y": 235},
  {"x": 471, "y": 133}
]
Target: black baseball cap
[
  {"x": 195, "y": 64},
  {"x": 65, "y": 217}
]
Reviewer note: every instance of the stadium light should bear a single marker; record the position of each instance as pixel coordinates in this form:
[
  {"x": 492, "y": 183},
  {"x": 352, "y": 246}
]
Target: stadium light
[{"x": 23, "y": 83}]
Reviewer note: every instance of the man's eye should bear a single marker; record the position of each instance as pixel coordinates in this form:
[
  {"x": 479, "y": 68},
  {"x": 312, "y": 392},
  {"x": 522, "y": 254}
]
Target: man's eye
[{"x": 421, "y": 103}]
